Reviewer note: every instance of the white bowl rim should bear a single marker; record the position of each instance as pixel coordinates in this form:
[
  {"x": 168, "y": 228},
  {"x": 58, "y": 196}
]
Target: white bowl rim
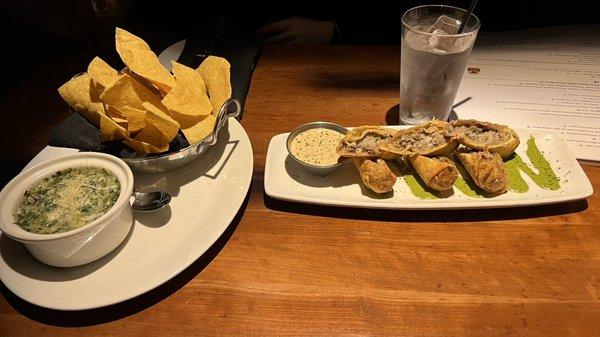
[{"x": 14, "y": 231}]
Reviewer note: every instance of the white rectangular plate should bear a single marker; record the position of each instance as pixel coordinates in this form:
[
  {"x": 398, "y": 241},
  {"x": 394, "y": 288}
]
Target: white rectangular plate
[{"x": 286, "y": 180}]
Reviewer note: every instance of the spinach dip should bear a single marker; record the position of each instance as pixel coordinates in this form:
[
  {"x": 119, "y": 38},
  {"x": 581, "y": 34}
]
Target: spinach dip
[{"x": 67, "y": 200}]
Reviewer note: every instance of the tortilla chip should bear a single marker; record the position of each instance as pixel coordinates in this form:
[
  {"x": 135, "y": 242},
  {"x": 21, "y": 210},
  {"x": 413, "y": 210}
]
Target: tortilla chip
[
  {"x": 110, "y": 130},
  {"x": 200, "y": 130},
  {"x": 117, "y": 116},
  {"x": 150, "y": 134},
  {"x": 187, "y": 102},
  {"x": 216, "y": 73},
  {"x": 127, "y": 92},
  {"x": 96, "y": 89},
  {"x": 160, "y": 129},
  {"x": 136, "y": 119},
  {"x": 138, "y": 57},
  {"x": 80, "y": 96},
  {"x": 121, "y": 121},
  {"x": 114, "y": 113},
  {"x": 141, "y": 148},
  {"x": 143, "y": 82},
  {"x": 101, "y": 73}
]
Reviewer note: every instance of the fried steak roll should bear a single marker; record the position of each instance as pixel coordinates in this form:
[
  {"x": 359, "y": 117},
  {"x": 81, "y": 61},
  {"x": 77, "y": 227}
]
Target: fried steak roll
[
  {"x": 438, "y": 173},
  {"x": 375, "y": 174},
  {"x": 486, "y": 169},
  {"x": 428, "y": 139},
  {"x": 495, "y": 138},
  {"x": 364, "y": 141}
]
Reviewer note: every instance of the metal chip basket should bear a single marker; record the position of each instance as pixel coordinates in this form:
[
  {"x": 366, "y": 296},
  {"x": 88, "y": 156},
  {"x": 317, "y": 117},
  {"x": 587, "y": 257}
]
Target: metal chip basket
[{"x": 170, "y": 161}]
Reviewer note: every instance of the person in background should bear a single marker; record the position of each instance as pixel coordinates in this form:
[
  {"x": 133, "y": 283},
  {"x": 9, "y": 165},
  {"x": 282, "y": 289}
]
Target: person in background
[
  {"x": 296, "y": 23},
  {"x": 300, "y": 30},
  {"x": 380, "y": 24}
]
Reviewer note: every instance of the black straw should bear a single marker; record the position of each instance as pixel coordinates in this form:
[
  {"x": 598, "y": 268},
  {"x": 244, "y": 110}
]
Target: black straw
[{"x": 467, "y": 16}]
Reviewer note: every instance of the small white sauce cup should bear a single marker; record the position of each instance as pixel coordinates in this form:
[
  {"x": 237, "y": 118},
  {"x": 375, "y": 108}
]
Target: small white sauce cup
[
  {"x": 315, "y": 169},
  {"x": 81, "y": 245}
]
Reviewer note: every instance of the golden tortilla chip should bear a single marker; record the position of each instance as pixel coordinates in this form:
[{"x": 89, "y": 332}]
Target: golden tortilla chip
[
  {"x": 80, "y": 96},
  {"x": 141, "y": 148},
  {"x": 96, "y": 89},
  {"x": 136, "y": 119},
  {"x": 110, "y": 130},
  {"x": 117, "y": 116},
  {"x": 127, "y": 92},
  {"x": 143, "y": 82},
  {"x": 216, "y": 73},
  {"x": 200, "y": 130},
  {"x": 152, "y": 135},
  {"x": 160, "y": 129},
  {"x": 114, "y": 113},
  {"x": 138, "y": 57},
  {"x": 122, "y": 122},
  {"x": 187, "y": 101},
  {"x": 101, "y": 73}
]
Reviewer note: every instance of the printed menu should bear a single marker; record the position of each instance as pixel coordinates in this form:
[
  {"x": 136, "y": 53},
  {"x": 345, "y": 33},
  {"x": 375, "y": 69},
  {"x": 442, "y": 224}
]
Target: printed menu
[{"x": 544, "y": 79}]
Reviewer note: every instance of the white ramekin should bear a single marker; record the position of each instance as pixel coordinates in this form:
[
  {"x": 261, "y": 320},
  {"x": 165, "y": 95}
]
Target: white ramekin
[{"x": 81, "y": 245}]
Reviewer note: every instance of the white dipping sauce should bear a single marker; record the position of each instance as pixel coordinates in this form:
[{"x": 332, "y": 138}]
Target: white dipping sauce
[{"x": 317, "y": 146}]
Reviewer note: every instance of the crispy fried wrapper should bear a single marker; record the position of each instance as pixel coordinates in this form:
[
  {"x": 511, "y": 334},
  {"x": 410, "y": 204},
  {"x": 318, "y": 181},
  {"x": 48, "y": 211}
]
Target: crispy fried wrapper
[
  {"x": 428, "y": 139},
  {"x": 375, "y": 174},
  {"x": 438, "y": 173},
  {"x": 495, "y": 138},
  {"x": 363, "y": 141},
  {"x": 486, "y": 169}
]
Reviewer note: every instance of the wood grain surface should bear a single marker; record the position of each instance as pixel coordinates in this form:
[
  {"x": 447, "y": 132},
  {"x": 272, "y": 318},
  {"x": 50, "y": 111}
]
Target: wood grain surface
[{"x": 290, "y": 269}]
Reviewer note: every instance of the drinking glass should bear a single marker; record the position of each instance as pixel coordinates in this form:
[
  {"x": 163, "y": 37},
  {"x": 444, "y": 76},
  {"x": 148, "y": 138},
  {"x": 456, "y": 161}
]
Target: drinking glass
[{"x": 433, "y": 60}]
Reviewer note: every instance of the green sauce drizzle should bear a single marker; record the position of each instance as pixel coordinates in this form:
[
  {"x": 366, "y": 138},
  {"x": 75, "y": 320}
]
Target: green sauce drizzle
[
  {"x": 467, "y": 187},
  {"x": 516, "y": 183},
  {"x": 417, "y": 186},
  {"x": 545, "y": 178}
]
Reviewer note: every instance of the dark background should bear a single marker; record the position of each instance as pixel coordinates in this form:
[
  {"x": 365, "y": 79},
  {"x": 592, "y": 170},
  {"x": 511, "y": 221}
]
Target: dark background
[{"x": 46, "y": 42}]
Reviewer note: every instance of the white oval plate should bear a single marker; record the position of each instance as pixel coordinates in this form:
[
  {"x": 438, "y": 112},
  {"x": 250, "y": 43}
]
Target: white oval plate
[
  {"x": 207, "y": 194},
  {"x": 286, "y": 180}
]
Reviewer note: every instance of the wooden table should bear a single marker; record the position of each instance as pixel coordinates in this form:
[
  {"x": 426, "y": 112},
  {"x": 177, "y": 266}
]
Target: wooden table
[{"x": 298, "y": 270}]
